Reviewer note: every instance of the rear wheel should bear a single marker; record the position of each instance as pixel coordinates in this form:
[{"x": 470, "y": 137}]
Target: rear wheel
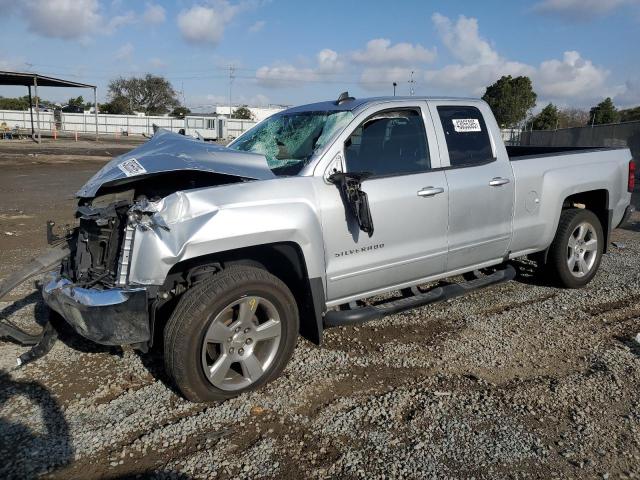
[
  {"x": 576, "y": 250},
  {"x": 231, "y": 334}
]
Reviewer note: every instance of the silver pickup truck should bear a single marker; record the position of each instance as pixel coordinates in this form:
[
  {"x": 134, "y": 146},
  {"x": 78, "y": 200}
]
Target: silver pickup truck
[{"x": 224, "y": 255}]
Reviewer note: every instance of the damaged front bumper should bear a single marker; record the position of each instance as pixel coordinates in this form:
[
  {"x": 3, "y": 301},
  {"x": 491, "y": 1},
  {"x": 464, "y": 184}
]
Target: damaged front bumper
[{"x": 117, "y": 316}]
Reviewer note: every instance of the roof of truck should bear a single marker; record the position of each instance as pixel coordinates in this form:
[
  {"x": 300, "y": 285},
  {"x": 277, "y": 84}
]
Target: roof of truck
[{"x": 357, "y": 103}]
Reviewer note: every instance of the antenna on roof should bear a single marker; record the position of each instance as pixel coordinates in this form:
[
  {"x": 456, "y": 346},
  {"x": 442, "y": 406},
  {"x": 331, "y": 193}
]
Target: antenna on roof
[{"x": 344, "y": 97}]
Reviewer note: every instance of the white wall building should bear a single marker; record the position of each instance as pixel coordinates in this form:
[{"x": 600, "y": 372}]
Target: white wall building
[{"x": 259, "y": 113}]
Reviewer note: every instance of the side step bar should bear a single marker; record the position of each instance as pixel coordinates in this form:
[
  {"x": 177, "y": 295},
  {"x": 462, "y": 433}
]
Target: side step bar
[{"x": 356, "y": 316}]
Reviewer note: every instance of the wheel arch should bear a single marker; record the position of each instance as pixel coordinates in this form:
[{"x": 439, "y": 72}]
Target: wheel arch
[
  {"x": 285, "y": 260},
  {"x": 595, "y": 200}
]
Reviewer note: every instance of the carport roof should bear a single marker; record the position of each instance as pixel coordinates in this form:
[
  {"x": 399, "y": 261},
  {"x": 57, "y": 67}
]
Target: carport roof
[{"x": 26, "y": 79}]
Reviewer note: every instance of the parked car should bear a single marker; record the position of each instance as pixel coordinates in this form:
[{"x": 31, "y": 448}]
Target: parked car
[{"x": 226, "y": 254}]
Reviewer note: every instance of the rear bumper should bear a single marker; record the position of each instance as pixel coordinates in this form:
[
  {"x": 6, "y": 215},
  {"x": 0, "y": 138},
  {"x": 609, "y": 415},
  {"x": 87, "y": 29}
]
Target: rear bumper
[
  {"x": 627, "y": 215},
  {"x": 109, "y": 317}
]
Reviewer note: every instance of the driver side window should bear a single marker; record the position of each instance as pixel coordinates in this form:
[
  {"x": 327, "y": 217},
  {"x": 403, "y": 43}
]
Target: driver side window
[{"x": 388, "y": 143}]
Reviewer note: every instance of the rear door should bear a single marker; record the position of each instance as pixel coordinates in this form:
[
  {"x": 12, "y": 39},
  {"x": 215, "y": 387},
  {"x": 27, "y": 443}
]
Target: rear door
[
  {"x": 481, "y": 184},
  {"x": 408, "y": 198}
]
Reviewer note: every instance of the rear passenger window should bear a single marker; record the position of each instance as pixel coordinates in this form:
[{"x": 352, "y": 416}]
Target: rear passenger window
[
  {"x": 467, "y": 136},
  {"x": 389, "y": 143}
]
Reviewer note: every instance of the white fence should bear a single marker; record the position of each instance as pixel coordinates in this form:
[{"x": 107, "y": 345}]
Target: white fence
[{"x": 107, "y": 124}]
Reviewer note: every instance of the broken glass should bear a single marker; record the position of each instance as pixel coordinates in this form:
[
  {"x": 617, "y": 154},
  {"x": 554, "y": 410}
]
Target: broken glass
[{"x": 289, "y": 140}]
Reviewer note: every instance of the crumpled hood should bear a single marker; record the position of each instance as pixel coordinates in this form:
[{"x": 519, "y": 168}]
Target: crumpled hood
[{"x": 167, "y": 151}]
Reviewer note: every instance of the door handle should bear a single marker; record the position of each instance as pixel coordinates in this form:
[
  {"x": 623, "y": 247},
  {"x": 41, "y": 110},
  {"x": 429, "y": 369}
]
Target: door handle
[
  {"x": 497, "y": 181},
  {"x": 430, "y": 191}
]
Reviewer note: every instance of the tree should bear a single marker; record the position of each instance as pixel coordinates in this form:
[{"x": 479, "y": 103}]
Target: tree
[
  {"x": 547, "y": 119},
  {"x": 242, "y": 113},
  {"x": 180, "y": 112},
  {"x": 117, "y": 106},
  {"x": 510, "y": 99},
  {"x": 150, "y": 94},
  {"x": 78, "y": 102},
  {"x": 604, "y": 112},
  {"x": 630, "y": 115},
  {"x": 20, "y": 103},
  {"x": 572, "y": 117}
]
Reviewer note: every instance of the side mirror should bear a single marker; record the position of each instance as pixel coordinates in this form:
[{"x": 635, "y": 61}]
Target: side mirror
[{"x": 355, "y": 200}]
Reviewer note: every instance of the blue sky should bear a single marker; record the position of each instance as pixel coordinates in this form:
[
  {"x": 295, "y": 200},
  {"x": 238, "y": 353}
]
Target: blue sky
[{"x": 290, "y": 52}]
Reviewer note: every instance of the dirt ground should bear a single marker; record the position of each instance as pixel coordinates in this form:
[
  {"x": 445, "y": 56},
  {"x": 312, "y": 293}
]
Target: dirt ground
[{"x": 520, "y": 381}]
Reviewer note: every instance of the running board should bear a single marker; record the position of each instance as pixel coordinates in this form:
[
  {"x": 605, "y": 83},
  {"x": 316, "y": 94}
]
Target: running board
[{"x": 356, "y": 316}]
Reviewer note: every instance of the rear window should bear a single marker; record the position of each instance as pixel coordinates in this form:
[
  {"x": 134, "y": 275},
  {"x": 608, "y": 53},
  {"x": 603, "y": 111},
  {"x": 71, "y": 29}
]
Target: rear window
[{"x": 467, "y": 136}]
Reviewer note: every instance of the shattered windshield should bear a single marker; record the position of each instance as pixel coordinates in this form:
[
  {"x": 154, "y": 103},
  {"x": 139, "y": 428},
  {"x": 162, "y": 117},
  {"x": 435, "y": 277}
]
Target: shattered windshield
[{"x": 289, "y": 140}]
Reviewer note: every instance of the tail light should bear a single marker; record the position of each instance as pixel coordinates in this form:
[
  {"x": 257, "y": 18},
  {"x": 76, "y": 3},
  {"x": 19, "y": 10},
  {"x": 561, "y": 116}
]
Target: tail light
[{"x": 632, "y": 175}]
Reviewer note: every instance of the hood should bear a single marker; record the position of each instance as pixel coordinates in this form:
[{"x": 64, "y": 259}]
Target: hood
[{"x": 167, "y": 152}]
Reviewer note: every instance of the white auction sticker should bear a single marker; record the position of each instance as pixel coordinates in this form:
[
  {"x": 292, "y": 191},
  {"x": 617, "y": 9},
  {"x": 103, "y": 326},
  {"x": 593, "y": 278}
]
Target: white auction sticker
[
  {"x": 131, "y": 167},
  {"x": 466, "y": 125}
]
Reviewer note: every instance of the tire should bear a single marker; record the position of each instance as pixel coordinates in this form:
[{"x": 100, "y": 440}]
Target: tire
[
  {"x": 237, "y": 311},
  {"x": 571, "y": 264}
]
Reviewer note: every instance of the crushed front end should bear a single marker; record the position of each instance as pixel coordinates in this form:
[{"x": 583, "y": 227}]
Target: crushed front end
[{"x": 90, "y": 290}]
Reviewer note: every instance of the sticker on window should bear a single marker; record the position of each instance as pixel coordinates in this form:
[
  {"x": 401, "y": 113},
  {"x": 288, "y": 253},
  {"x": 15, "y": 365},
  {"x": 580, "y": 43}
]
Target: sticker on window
[
  {"x": 131, "y": 167},
  {"x": 466, "y": 125}
]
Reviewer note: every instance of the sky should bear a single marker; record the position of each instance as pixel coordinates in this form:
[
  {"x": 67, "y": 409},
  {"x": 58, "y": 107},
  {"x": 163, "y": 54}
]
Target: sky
[{"x": 576, "y": 52}]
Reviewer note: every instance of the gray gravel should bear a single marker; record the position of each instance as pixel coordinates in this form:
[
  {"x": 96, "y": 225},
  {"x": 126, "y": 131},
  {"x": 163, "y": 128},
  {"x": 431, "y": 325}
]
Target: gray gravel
[{"x": 520, "y": 381}]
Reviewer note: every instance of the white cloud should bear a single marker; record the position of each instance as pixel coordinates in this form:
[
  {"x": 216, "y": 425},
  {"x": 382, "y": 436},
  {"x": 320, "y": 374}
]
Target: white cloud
[
  {"x": 257, "y": 27},
  {"x": 66, "y": 19},
  {"x": 580, "y": 9},
  {"x": 118, "y": 21},
  {"x": 380, "y": 51},
  {"x": 61, "y": 18},
  {"x": 463, "y": 40},
  {"x": 205, "y": 24},
  {"x": 328, "y": 62},
  {"x": 154, "y": 14},
  {"x": 628, "y": 95},
  {"x": 157, "y": 63},
  {"x": 125, "y": 52},
  {"x": 571, "y": 78}
]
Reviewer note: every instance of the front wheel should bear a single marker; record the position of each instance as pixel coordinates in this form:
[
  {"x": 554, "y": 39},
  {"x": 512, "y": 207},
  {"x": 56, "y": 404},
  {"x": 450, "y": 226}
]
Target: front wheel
[
  {"x": 576, "y": 250},
  {"x": 230, "y": 334}
]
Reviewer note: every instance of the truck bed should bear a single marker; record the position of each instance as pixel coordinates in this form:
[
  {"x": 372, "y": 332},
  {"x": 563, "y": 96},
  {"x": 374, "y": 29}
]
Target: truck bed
[{"x": 521, "y": 152}]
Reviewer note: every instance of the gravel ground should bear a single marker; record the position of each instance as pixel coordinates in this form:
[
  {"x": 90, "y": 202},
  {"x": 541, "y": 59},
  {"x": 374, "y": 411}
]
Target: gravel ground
[{"x": 519, "y": 381}]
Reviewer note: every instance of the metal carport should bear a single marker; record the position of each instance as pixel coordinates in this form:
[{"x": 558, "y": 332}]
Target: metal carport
[{"x": 29, "y": 79}]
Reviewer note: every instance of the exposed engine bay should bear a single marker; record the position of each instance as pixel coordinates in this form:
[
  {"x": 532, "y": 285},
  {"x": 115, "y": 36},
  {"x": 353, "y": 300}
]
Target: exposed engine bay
[{"x": 107, "y": 223}]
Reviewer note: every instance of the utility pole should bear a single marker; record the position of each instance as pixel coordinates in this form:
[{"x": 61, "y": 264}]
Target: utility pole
[
  {"x": 411, "y": 84},
  {"x": 232, "y": 76}
]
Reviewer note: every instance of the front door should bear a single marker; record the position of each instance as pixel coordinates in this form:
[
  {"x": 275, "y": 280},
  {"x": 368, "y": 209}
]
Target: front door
[{"x": 408, "y": 202}]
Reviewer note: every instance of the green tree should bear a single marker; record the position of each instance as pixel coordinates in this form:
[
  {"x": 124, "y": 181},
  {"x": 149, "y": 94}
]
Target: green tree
[
  {"x": 21, "y": 103},
  {"x": 510, "y": 99},
  {"x": 117, "y": 106},
  {"x": 180, "y": 112},
  {"x": 78, "y": 102},
  {"x": 547, "y": 119},
  {"x": 242, "y": 113},
  {"x": 151, "y": 94},
  {"x": 604, "y": 112},
  {"x": 630, "y": 114}
]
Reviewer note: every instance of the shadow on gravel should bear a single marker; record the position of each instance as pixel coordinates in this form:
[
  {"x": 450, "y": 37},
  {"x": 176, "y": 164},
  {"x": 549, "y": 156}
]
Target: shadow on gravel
[
  {"x": 25, "y": 452},
  {"x": 632, "y": 226},
  {"x": 634, "y": 347},
  {"x": 529, "y": 273},
  {"x": 156, "y": 474}
]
